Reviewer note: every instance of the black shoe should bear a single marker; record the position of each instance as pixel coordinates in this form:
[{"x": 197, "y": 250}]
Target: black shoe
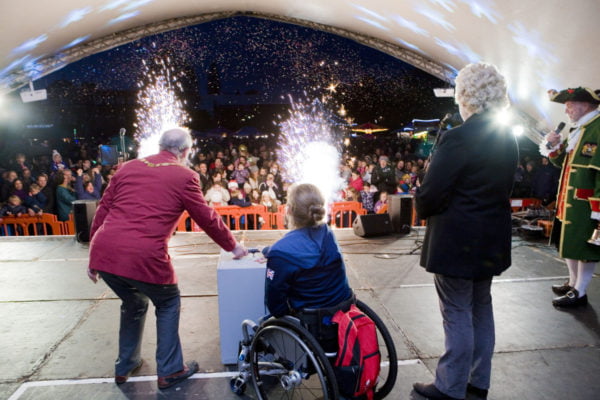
[
  {"x": 431, "y": 392},
  {"x": 570, "y": 299},
  {"x": 479, "y": 394},
  {"x": 561, "y": 290},
  {"x": 167, "y": 381},
  {"x": 121, "y": 379}
]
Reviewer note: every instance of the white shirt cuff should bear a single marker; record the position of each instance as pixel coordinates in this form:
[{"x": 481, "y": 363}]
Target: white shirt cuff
[{"x": 595, "y": 215}]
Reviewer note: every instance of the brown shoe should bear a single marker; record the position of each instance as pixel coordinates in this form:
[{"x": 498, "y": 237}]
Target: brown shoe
[
  {"x": 188, "y": 370},
  {"x": 120, "y": 379}
]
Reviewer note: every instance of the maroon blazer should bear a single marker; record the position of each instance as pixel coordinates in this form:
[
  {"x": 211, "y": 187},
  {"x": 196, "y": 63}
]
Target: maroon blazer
[{"x": 138, "y": 214}]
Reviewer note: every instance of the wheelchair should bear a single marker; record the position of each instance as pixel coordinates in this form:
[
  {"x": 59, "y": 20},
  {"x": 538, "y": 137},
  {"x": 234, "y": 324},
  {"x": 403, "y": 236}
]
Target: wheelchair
[{"x": 283, "y": 360}]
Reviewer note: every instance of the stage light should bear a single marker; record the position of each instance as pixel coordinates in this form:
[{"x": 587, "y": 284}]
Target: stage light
[
  {"x": 518, "y": 130},
  {"x": 443, "y": 92},
  {"x": 27, "y": 96},
  {"x": 504, "y": 117}
]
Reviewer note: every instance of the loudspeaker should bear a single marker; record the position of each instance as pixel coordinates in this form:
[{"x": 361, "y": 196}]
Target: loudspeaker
[
  {"x": 400, "y": 208},
  {"x": 372, "y": 225},
  {"x": 83, "y": 215}
]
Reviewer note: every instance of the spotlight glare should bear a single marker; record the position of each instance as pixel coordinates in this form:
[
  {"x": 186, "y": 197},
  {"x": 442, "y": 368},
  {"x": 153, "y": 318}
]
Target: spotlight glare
[
  {"x": 504, "y": 117},
  {"x": 518, "y": 130}
]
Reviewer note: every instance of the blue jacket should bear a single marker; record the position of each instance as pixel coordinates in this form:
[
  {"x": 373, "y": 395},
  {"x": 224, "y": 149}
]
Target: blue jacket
[
  {"x": 82, "y": 194},
  {"x": 305, "y": 269},
  {"x": 36, "y": 202}
]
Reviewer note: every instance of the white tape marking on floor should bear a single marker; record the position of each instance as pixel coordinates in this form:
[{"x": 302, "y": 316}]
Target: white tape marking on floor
[
  {"x": 91, "y": 381},
  {"x": 508, "y": 280}
]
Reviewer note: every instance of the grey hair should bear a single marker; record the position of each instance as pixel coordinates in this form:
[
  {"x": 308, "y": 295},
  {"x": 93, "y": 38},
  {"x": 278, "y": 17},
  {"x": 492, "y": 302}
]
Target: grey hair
[
  {"x": 306, "y": 205},
  {"x": 175, "y": 140},
  {"x": 480, "y": 87}
]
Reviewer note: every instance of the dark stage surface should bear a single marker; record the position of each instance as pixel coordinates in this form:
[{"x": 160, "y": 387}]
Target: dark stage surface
[{"x": 58, "y": 337}]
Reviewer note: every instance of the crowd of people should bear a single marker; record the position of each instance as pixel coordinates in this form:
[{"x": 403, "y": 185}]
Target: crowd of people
[{"x": 242, "y": 173}]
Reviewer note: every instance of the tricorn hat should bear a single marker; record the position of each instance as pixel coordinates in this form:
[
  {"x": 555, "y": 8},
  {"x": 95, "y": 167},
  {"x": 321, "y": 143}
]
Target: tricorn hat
[{"x": 582, "y": 94}]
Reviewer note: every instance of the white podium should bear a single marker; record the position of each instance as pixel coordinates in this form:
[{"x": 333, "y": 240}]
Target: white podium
[{"x": 241, "y": 289}]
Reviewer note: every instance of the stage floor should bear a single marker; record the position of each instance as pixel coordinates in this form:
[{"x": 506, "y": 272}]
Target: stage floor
[{"x": 58, "y": 337}]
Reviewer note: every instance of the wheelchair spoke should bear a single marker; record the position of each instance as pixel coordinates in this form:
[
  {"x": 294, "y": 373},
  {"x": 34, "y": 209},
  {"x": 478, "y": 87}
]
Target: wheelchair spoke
[{"x": 289, "y": 364}]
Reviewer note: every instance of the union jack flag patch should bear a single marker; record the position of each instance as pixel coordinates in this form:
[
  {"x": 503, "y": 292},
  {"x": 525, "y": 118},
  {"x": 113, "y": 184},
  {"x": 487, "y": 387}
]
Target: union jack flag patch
[{"x": 270, "y": 274}]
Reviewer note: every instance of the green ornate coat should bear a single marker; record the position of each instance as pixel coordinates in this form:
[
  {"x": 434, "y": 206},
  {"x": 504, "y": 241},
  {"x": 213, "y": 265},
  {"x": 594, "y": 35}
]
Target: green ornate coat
[{"x": 579, "y": 193}]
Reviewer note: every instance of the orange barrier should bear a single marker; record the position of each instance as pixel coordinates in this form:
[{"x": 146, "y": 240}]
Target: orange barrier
[
  {"x": 244, "y": 218},
  {"x": 235, "y": 217},
  {"x": 343, "y": 213},
  {"x": 522, "y": 204},
  {"x": 185, "y": 222},
  {"x": 278, "y": 218},
  {"x": 25, "y": 225},
  {"x": 383, "y": 209}
]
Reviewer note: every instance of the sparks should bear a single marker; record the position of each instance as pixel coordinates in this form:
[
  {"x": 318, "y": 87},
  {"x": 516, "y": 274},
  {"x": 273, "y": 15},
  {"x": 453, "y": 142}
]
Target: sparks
[
  {"x": 332, "y": 88},
  {"x": 159, "y": 107},
  {"x": 308, "y": 149}
]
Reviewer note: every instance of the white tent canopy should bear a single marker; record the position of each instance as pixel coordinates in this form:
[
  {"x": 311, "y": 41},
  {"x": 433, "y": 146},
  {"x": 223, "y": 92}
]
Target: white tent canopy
[{"x": 537, "y": 44}]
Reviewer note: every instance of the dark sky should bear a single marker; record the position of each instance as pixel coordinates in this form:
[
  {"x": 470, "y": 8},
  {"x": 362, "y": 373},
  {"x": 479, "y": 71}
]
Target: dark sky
[{"x": 250, "y": 54}]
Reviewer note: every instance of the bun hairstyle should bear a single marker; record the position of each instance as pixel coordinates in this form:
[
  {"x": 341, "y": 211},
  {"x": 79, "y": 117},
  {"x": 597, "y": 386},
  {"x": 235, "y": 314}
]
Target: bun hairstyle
[{"x": 306, "y": 205}]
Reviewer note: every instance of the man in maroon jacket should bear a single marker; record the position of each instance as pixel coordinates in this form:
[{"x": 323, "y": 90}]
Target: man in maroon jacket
[{"x": 129, "y": 250}]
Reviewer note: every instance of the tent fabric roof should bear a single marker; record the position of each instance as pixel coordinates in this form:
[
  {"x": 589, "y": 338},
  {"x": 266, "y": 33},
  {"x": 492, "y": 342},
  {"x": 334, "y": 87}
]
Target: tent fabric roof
[{"x": 537, "y": 44}]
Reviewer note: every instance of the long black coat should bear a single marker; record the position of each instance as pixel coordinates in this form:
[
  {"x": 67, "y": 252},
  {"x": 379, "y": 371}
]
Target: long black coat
[{"x": 465, "y": 196}]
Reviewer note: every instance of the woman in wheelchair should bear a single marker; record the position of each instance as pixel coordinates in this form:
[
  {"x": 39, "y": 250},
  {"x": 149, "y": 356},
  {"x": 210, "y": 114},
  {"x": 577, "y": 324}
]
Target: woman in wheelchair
[
  {"x": 306, "y": 275},
  {"x": 291, "y": 356}
]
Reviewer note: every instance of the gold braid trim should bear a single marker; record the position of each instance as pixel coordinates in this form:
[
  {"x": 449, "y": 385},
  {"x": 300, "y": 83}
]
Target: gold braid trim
[{"x": 153, "y": 165}]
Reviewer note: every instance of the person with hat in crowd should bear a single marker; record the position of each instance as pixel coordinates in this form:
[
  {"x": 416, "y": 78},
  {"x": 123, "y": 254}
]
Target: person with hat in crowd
[
  {"x": 384, "y": 176},
  {"x": 578, "y": 201}
]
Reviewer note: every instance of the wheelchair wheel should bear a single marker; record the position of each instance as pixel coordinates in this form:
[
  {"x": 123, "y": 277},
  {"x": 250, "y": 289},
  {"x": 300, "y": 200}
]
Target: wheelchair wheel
[
  {"x": 389, "y": 372},
  {"x": 288, "y": 363}
]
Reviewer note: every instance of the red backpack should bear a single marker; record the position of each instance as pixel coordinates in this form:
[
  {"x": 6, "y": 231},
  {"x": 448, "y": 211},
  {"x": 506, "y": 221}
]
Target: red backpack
[{"x": 358, "y": 359}]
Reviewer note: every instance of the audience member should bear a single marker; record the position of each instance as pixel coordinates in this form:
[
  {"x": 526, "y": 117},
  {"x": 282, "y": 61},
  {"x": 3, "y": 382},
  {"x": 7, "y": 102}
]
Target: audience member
[
  {"x": 271, "y": 187},
  {"x": 381, "y": 204},
  {"x": 65, "y": 195},
  {"x": 57, "y": 162},
  {"x": 18, "y": 189},
  {"x": 48, "y": 192},
  {"x": 545, "y": 182},
  {"x": 90, "y": 190},
  {"x": 36, "y": 200},
  {"x": 366, "y": 196},
  {"x": 356, "y": 181},
  {"x": 7, "y": 185},
  {"x": 13, "y": 207},
  {"x": 217, "y": 195}
]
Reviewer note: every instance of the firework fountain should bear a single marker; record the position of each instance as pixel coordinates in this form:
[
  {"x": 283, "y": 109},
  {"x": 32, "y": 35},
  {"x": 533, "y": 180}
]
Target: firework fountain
[
  {"x": 159, "y": 105},
  {"x": 308, "y": 149}
]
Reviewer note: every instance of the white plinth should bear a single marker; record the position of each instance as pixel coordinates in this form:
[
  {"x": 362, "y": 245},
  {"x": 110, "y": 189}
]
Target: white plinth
[{"x": 241, "y": 288}]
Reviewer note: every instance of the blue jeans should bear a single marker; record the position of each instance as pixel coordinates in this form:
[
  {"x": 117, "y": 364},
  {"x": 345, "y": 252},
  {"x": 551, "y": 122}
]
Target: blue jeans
[
  {"x": 466, "y": 307},
  {"x": 134, "y": 295}
]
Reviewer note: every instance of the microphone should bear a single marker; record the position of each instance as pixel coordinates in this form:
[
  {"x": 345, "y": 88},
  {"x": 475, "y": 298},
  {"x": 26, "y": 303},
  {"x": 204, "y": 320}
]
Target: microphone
[
  {"x": 558, "y": 129},
  {"x": 122, "y": 132},
  {"x": 445, "y": 119}
]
